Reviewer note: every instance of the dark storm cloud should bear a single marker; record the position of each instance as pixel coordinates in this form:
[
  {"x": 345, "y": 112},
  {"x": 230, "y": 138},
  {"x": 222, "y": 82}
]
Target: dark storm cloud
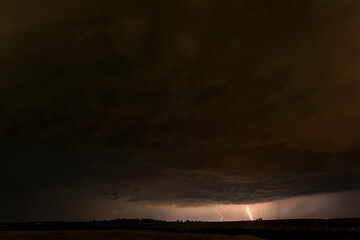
[
  {"x": 209, "y": 187},
  {"x": 185, "y": 101}
]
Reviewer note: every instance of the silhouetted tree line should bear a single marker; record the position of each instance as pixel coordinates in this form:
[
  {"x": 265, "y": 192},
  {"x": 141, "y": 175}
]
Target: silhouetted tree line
[
  {"x": 130, "y": 220},
  {"x": 189, "y": 221}
]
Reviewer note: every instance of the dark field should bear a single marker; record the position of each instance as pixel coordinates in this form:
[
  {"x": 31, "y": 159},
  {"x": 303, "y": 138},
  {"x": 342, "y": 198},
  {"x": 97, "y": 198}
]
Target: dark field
[
  {"x": 115, "y": 234},
  {"x": 343, "y": 229}
]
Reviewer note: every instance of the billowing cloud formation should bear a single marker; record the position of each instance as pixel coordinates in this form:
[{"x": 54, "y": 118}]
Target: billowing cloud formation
[{"x": 184, "y": 102}]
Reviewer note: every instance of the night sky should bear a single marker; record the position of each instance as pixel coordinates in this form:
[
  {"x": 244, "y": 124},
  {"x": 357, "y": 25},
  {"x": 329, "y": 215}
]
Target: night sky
[{"x": 178, "y": 109}]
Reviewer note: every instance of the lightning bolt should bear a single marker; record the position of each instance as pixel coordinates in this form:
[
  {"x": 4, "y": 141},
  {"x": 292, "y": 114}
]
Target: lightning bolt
[
  {"x": 222, "y": 217},
  {"x": 248, "y": 211}
]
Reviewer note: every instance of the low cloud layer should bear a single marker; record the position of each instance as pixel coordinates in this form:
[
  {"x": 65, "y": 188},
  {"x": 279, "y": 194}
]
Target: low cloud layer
[{"x": 181, "y": 102}]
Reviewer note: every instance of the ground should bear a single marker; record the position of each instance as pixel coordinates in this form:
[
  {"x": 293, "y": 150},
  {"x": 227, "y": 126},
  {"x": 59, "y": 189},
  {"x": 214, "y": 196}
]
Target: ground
[
  {"x": 333, "y": 229},
  {"x": 115, "y": 234}
]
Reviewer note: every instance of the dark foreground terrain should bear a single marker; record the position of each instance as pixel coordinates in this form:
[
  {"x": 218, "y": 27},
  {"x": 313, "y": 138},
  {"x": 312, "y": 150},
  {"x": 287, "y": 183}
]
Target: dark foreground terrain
[{"x": 344, "y": 229}]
